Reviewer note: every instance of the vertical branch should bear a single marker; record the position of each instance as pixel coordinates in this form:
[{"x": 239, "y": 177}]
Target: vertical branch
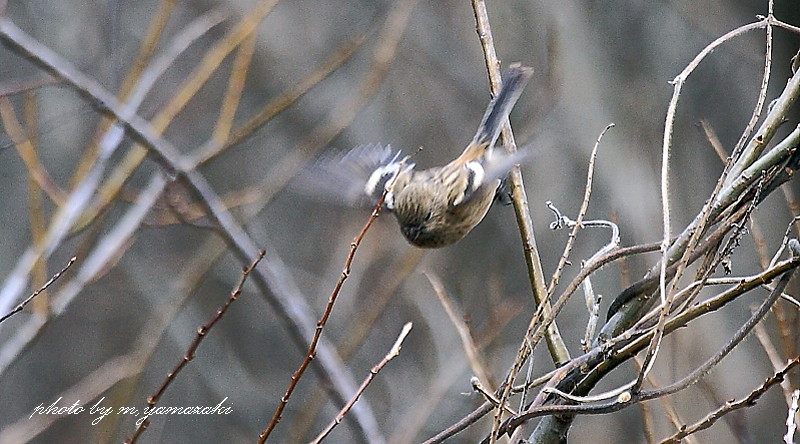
[
  {"x": 666, "y": 301},
  {"x": 235, "y": 87},
  {"x": 558, "y": 349},
  {"x": 35, "y": 209}
]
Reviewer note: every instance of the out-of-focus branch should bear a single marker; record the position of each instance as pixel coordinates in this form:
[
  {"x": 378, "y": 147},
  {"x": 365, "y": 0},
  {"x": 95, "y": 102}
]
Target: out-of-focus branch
[
  {"x": 27, "y": 152},
  {"x": 192, "y": 350},
  {"x": 133, "y": 78},
  {"x": 312, "y": 346},
  {"x": 74, "y": 209},
  {"x": 271, "y": 276},
  {"x": 476, "y": 362}
]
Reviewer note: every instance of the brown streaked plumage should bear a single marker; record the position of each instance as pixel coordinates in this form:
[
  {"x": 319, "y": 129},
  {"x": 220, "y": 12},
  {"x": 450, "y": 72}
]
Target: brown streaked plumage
[{"x": 438, "y": 206}]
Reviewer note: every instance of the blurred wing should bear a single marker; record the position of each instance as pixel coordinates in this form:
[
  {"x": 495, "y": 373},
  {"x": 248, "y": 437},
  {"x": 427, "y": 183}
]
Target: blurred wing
[
  {"x": 498, "y": 164},
  {"x": 355, "y": 178}
]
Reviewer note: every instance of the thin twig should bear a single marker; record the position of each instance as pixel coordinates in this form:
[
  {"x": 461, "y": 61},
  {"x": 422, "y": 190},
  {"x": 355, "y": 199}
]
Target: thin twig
[
  {"x": 784, "y": 241},
  {"x": 562, "y": 262},
  {"x": 91, "y": 266},
  {"x": 438, "y": 386},
  {"x": 762, "y": 92},
  {"x": 393, "y": 352},
  {"x": 592, "y": 301},
  {"x": 731, "y": 406},
  {"x": 630, "y": 398},
  {"x": 791, "y": 423},
  {"x": 272, "y": 277},
  {"x": 44, "y": 287},
  {"x": 312, "y": 347},
  {"x": 202, "y": 331},
  {"x": 395, "y": 275},
  {"x": 462, "y": 424},
  {"x": 558, "y": 349},
  {"x": 478, "y": 387},
  {"x": 773, "y": 355},
  {"x": 476, "y": 362}
]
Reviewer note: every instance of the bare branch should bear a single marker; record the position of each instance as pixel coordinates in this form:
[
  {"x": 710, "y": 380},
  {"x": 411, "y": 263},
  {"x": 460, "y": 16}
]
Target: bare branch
[
  {"x": 271, "y": 276},
  {"x": 312, "y": 347},
  {"x": 192, "y": 350},
  {"x": 44, "y": 287},
  {"x": 393, "y": 352},
  {"x": 791, "y": 423},
  {"x": 476, "y": 362},
  {"x": 731, "y": 406}
]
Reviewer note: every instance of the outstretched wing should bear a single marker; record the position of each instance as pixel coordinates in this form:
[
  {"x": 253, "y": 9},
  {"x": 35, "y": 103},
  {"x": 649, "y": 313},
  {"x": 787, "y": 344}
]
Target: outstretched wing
[
  {"x": 499, "y": 163},
  {"x": 356, "y": 178}
]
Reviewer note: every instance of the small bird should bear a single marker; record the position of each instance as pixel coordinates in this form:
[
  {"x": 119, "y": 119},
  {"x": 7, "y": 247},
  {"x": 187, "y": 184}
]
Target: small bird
[{"x": 435, "y": 207}]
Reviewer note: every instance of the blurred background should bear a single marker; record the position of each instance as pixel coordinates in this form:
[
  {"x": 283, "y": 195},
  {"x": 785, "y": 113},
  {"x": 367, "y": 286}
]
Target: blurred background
[{"x": 406, "y": 73}]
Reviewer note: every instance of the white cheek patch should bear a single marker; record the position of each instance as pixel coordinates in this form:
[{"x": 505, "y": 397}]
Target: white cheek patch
[
  {"x": 475, "y": 177},
  {"x": 477, "y": 174},
  {"x": 389, "y": 200}
]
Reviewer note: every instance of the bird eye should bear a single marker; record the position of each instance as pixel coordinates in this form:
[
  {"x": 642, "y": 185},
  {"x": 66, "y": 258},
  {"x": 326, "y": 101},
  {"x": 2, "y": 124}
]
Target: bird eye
[{"x": 428, "y": 216}]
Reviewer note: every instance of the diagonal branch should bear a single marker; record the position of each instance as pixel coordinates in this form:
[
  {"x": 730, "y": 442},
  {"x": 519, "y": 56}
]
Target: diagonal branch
[{"x": 271, "y": 275}]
